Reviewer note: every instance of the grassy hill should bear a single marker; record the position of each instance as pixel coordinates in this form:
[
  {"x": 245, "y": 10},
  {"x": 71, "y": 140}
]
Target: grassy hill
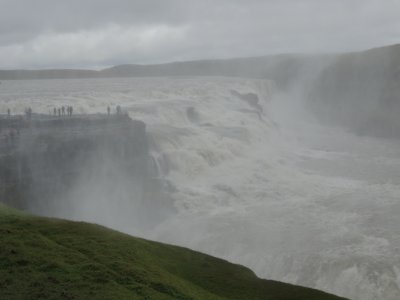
[{"x": 43, "y": 258}]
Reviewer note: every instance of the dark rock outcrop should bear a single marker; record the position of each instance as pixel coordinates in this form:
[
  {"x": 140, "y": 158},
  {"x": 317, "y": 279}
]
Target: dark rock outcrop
[
  {"x": 251, "y": 99},
  {"x": 94, "y": 168}
]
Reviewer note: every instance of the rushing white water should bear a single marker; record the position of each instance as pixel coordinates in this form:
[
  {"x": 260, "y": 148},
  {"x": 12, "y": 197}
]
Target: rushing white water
[{"x": 258, "y": 184}]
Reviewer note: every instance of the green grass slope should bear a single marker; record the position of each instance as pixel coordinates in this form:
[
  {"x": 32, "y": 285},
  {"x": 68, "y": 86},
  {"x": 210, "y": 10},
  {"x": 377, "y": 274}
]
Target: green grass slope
[{"x": 43, "y": 258}]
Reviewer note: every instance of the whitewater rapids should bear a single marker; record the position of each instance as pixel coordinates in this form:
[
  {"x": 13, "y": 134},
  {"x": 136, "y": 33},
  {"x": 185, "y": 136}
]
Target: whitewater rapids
[{"x": 261, "y": 184}]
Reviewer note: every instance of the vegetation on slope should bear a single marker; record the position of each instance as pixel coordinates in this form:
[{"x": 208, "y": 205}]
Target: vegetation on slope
[{"x": 43, "y": 258}]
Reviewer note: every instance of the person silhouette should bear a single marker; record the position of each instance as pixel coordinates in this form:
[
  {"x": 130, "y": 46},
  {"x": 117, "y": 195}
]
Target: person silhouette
[{"x": 28, "y": 113}]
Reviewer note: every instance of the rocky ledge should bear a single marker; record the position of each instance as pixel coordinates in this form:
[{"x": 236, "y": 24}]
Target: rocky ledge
[{"x": 89, "y": 167}]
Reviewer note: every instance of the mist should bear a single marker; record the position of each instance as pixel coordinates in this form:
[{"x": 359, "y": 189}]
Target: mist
[{"x": 265, "y": 133}]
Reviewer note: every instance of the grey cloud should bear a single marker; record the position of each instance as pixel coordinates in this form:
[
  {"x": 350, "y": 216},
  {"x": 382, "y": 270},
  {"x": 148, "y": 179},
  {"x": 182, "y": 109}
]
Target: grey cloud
[{"x": 88, "y": 33}]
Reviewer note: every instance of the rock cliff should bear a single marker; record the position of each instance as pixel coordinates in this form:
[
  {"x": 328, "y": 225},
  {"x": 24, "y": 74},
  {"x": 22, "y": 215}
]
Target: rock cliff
[
  {"x": 95, "y": 168},
  {"x": 361, "y": 91}
]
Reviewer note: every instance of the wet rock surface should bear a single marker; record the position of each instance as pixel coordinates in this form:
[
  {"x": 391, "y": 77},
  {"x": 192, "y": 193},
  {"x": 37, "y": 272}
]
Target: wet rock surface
[{"x": 65, "y": 166}]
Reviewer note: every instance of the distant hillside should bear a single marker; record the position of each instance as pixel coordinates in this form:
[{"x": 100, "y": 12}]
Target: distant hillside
[
  {"x": 44, "y": 258},
  {"x": 46, "y": 74},
  {"x": 282, "y": 68}
]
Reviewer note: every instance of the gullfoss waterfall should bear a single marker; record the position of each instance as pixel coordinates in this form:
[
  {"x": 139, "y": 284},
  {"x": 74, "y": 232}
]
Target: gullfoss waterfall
[{"x": 292, "y": 199}]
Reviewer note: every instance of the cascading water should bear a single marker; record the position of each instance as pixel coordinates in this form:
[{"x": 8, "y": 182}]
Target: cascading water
[{"x": 291, "y": 199}]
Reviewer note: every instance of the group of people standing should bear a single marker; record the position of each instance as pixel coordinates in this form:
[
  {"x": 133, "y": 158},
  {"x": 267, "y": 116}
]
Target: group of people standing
[
  {"x": 62, "y": 111},
  {"x": 68, "y": 110},
  {"x": 118, "y": 110},
  {"x": 28, "y": 112}
]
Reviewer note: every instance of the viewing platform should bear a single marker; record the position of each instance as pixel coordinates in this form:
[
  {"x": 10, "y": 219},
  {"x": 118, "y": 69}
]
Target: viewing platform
[
  {"x": 43, "y": 156},
  {"x": 45, "y": 120}
]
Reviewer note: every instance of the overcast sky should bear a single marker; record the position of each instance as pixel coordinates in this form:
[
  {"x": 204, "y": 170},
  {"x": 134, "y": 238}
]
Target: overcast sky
[{"x": 99, "y": 33}]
